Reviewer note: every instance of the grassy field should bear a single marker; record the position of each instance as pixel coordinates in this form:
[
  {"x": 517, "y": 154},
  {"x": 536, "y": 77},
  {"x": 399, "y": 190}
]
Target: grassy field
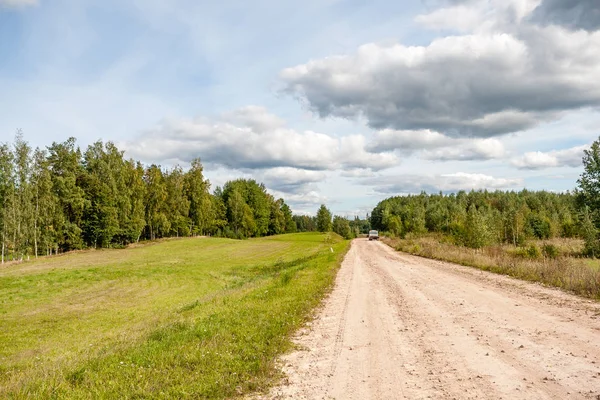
[
  {"x": 554, "y": 262},
  {"x": 187, "y": 318}
]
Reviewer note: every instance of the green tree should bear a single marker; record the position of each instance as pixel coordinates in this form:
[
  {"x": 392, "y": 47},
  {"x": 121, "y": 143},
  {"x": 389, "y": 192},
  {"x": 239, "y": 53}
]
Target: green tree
[
  {"x": 6, "y": 196},
  {"x": 156, "y": 196},
  {"x": 290, "y": 224},
  {"x": 259, "y": 202},
  {"x": 133, "y": 209},
  {"x": 202, "y": 212},
  {"x": 236, "y": 209},
  {"x": 101, "y": 211},
  {"x": 177, "y": 203},
  {"x": 65, "y": 163},
  {"x": 341, "y": 226},
  {"x": 590, "y": 234},
  {"x": 395, "y": 225},
  {"x": 45, "y": 204},
  {"x": 305, "y": 223},
  {"x": 23, "y": 211},
  {"x": 588, "y": 194},
  {"x": 219, "y": 220},
  {"x": 323, "y": 219},
  {"x": 282, "y": 220},
  {"x": 476, "y": 229}
]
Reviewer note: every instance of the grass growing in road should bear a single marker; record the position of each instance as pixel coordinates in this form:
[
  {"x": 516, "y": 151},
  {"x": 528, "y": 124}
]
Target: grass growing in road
[
  {"x": 188, "y": 318},
  {"x": 552, "y": 262}
]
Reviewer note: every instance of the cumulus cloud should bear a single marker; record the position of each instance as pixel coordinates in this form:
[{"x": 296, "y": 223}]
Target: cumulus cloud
[
  {"x": 405, "y": 184},
  {"x": 461, "y": 18},
  {"x": 572, "y": 14},
  {"x": 435, "y": 146},
  {"x": 556, "y": 158},
  {"x": 291, "y": 180},
  {"x": 17, "y": 3},
  {"x": 407, "y": 141},
  {"x": 508, "y": 77},
  {"x": 252, "y": 138},
  {"x": 475, "y": 150},
  {"x": 477, "y": 15},
  {"x": 302, "y": 203}
]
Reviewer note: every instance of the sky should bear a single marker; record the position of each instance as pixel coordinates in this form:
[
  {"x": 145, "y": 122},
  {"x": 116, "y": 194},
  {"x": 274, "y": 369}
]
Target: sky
[{"x": 336, "y": 102}]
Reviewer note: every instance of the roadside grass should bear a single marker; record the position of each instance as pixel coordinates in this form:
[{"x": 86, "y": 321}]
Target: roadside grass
[
  {"x": 551, "y": 262},
  {"x": 186, "y": 318}
]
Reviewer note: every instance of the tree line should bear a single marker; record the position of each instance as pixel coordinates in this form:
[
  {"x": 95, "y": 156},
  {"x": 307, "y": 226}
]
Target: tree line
[
  {"x": 481, "y": 218},
  {"x": 61, "y": 198},
  {"x": 325, "y": 221}
]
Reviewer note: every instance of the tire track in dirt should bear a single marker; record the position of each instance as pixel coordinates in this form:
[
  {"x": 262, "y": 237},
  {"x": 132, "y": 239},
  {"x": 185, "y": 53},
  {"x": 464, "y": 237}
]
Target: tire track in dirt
[
  {"x": 339, "y": 337},
  {"x": 398, "y": 326}
]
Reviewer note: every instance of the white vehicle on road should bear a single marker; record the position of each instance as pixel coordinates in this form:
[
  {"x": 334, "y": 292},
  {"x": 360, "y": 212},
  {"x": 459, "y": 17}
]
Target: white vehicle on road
[{"x": 373, "y": 235}]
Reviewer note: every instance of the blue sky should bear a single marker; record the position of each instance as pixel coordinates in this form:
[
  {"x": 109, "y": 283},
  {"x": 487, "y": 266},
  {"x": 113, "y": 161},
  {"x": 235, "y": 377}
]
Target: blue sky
[{"x": 327, "y": 101}]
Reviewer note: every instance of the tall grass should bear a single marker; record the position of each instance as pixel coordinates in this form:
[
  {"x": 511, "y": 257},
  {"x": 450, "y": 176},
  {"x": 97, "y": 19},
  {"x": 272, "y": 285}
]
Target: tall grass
[
  {"x": 554, "y": 263},
  {"x": 189, "y": 318}
]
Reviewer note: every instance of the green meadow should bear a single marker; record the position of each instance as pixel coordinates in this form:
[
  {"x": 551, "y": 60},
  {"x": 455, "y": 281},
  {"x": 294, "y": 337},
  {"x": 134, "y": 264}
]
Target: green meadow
[{"x": 180, "y": 318}]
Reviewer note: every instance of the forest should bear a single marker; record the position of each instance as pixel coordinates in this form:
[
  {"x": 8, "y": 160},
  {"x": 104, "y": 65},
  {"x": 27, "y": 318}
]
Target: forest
[
  {"x": 480, "y": 218},
  {"x": 61, "y": 198}
]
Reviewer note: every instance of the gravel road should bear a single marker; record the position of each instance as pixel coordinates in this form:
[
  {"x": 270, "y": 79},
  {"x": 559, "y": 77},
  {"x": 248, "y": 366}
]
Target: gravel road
[{"x": 403, "y": 327}]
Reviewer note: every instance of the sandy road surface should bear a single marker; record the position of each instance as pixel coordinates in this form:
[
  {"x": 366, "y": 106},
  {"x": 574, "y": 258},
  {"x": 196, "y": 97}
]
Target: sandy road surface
[{"x": 398, "y": 326}]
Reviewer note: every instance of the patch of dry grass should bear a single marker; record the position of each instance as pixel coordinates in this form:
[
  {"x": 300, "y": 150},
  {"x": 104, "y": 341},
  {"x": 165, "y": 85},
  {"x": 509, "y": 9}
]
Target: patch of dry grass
[{"x": 534, "y": 262}]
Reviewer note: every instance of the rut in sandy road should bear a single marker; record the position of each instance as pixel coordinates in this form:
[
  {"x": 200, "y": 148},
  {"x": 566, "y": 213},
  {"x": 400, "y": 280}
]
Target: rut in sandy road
[{"x": 398, "y": 326}]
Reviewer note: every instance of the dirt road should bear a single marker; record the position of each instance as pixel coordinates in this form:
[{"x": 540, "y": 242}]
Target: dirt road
[{"x": 402, "y": 327}]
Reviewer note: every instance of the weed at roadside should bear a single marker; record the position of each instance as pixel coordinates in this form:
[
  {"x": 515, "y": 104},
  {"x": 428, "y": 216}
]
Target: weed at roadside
[{"x": 549, "y": 264}]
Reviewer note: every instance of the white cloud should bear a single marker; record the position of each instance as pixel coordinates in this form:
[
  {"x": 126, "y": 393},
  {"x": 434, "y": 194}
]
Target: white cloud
[
  {"x": 463, "y": 180},
  {"x": 407, "y": 141},
  {"x": 293, "y": 175},
  {"x": 435, "y": 146},
  {"x": 302, "y": 203},
  {"x": 353, "y": 153},
  {"x": 507, "y": 77},
  {"x": 453, "y": 182},
  {"x": 461, "y": 18},
  {"x": 291, "y": 180},
  {"x": 468, "y": 150},
  {"x": 556, "y": 158},
  {"x": 478, "y": 15},
  {"x": 253, "y": 138}
]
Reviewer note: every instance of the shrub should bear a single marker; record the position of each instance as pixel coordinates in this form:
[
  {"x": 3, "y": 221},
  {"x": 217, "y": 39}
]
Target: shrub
[
  {"x": 532, "y": 251},
  {"x": 539, "y": 226},
  {"x": 550, "y": 251}
]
